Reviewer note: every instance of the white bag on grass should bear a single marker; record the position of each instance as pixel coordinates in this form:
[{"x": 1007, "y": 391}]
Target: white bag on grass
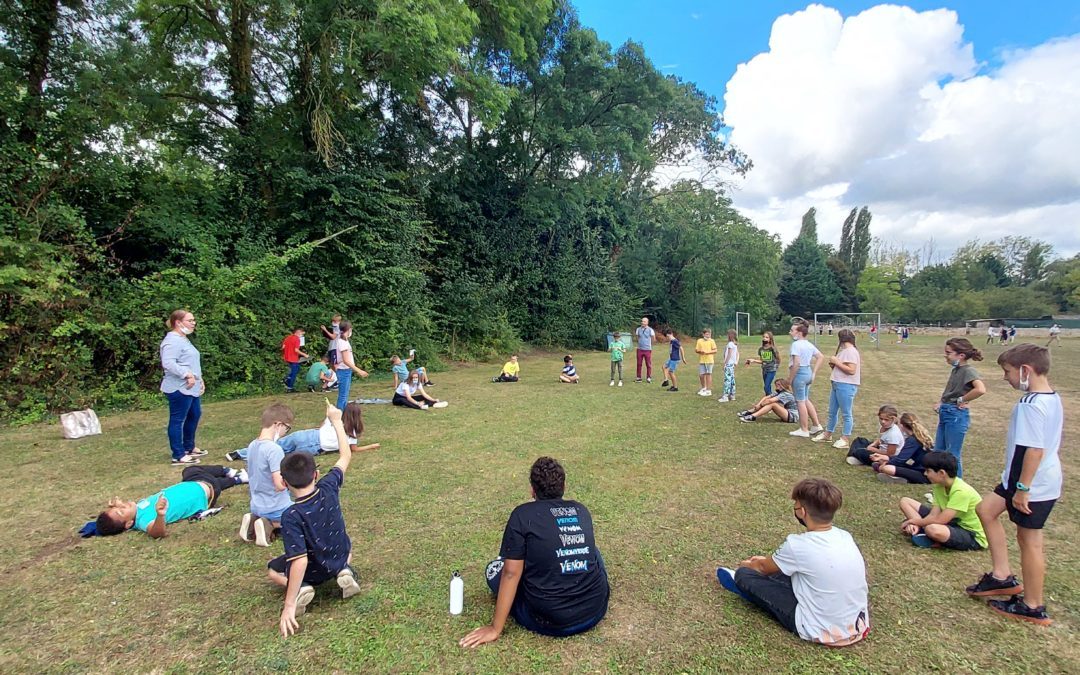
[{"x": 80, "y": 423}]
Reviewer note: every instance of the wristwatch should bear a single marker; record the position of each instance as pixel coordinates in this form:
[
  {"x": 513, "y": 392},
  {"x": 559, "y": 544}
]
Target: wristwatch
[
  {"x": 1022, "y": 488},
  {"x": 959, "y": 400}
]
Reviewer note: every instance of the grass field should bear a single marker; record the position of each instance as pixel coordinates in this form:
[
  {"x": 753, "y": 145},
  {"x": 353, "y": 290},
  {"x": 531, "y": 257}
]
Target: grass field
[{"x": 675, "y": 484}]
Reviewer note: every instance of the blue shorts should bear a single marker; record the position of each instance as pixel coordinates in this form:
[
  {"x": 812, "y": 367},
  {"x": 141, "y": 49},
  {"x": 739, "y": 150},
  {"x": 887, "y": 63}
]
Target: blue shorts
[
  {"x": 800, "y": 386},
  {"x": 273, "y": 515},
  {"x": 704, "y": 368},
  {"x": 671, "y": 365}
]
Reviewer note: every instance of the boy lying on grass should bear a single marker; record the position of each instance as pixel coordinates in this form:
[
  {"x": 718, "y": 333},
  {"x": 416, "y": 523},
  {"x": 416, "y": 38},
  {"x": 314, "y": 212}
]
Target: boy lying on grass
[{"x": 201, "y": 487}]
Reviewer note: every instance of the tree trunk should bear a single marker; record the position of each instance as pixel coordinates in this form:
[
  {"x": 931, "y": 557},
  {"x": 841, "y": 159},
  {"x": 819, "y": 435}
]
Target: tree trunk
[
  {"x": 240, "y": 49},
  {"x": 42, "y": 16}
]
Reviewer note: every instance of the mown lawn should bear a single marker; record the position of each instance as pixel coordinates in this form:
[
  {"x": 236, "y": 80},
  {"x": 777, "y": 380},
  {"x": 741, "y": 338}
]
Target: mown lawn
[{"x": 675, "y": 483}]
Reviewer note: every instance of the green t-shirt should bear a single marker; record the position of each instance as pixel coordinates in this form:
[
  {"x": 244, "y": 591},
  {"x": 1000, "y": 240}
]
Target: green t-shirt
[
  {"x": 313, "y": 373},
  {"x": 617, "y": 349},
  {"x": 185, "y": 500},
  {"x": 963, "y": 499}
]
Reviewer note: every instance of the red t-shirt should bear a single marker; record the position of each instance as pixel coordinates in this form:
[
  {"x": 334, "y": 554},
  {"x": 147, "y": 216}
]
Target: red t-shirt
[{"x": 289, "y": 348}]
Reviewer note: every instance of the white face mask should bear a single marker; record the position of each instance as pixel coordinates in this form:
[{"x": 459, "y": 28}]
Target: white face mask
[
  {"x": 185, "y": 330},
  {"x": 276, "y": 436},
  {"x": 1025, "y": 382},
  {"x": 303, "y": 340}
]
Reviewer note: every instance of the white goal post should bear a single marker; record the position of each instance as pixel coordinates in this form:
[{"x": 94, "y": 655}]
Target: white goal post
[
  {"x": 747, "y": 315},
  {"x": 856, "y": 321}
]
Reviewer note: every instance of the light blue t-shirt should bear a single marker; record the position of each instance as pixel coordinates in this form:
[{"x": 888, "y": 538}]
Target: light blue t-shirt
[
  {"x": 402, "y": 371},
  {"x": 185, "y": 500},
  {"x": 645, "y": 337},
  {"x": 263, "y": 459}
]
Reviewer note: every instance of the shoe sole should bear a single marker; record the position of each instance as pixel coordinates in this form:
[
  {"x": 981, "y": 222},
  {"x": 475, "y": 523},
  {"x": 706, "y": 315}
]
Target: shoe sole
[
  {"x": 247, "y": 528},
  {"x": 854, "y": 462},
  {"x": 262, "y": 537},
  {"x": 1011, "y": 590},
  {"x": 890, "y": 479},
  {"x": 191, "y": 463},
  {"x": 349, "y": 585},
  {"x": 303, "y": 598},
  {"x": 1029, "y": 619}
]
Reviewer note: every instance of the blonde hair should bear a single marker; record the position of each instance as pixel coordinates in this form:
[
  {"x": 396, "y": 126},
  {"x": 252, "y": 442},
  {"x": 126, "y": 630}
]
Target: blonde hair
[
  {"x": 910, "y": 421},
  {"x": 890, "y": 411}
]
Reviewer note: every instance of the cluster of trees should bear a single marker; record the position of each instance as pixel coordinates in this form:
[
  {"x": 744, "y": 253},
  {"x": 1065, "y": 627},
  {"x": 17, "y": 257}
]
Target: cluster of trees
[
  {"x": 1011, "y": 277},
  {"x": 455, "y": 176}
]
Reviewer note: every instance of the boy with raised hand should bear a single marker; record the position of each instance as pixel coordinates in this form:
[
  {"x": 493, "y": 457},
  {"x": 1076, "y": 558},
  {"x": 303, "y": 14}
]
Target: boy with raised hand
[
  {"x": 1030, "y": 486},
  {"x": 705, "y": 347},
  {"x": 317, "y": 547},
  {"x": 951, "y": 522},
  {"x": 201, "y": 487},
  {"x": 815, "y": 583}
]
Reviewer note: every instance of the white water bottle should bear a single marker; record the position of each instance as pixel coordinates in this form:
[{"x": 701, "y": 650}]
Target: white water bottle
[{"x": 457, "y": 593}]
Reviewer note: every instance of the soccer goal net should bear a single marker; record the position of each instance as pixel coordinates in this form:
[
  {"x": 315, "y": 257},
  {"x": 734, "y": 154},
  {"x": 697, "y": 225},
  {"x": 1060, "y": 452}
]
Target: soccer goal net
[
  {"x": 739, "y": 318},
  {"x": 828, "y": 323}
]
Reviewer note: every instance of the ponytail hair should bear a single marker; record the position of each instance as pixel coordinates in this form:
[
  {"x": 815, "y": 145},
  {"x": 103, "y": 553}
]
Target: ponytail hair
[
  {"x": 964, "y": 347},
  {"x": 845, "y": 336},
  {"x": 910, "y": 421},
  {"x": 175, "y": 318}
]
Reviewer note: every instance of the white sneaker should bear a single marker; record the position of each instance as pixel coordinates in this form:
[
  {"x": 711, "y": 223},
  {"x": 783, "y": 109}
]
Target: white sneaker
[
  {"x": 799, "y": 433},
  {"x": 723, "y": 399},
  {"x": 304, "y": 597},
  {"x": 853, "y": 461},
  {"x": 247, "y": 527},
  {"x": 264, "y": 533},
  {"x": 701, "y": 392},
  {"x": 929, "y": 497},
  {"x": 346, "y": 581},
  {"x": 708, "y": 392},
  {"x": 611, "y": 384},
  {"x": 816, "y": 429},
  {"x": 620, "y": 383}
]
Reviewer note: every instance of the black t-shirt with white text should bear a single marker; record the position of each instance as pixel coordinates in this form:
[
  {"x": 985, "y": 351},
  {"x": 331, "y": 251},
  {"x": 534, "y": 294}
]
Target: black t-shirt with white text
[{"x": 563, "y": 583}]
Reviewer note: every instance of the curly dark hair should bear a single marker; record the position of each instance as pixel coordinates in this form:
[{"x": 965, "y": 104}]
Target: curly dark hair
[{"x": 548, "y": 478}]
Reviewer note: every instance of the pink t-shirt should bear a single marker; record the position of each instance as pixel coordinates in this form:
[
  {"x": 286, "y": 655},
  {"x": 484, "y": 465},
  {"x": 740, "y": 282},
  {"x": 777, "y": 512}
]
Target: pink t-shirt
[{"x": 848, "y": 355}]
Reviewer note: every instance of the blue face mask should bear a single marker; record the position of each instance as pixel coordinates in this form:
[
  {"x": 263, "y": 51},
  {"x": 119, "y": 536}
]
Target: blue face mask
[{"x": 956, "y": 363}]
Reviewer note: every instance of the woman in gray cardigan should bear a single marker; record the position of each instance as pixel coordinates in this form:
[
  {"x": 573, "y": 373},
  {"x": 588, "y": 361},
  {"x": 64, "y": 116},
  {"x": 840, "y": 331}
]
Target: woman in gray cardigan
[{"x": 182, "y": 385}]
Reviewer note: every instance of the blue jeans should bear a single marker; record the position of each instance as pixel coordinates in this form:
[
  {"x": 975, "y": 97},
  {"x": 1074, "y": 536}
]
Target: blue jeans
[
  {"x": 290, "y": 379},
  {"x": 767, "y": 376},
  {"x": 800, "y": 385},
  {"x": 305, "y": 440},
  {"x": 840, "y": 401},
  {"x": 184, "y": 414},
  {"x": 344, "y": 378},
  {"x": 951, "y": 428}
]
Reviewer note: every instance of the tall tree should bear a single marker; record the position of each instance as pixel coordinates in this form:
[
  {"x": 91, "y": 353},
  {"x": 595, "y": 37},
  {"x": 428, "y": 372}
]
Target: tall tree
[
  {"x": 860, "y": 242},
  {"x": 808, "y": 230},
  {"x": 806, "y": 283},
  {"x": 847, "y": 238}
]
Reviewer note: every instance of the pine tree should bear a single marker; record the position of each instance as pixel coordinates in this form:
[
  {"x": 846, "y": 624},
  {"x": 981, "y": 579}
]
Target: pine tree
[
  {"x": 860, "y": 245},
  {"x": 806, "y": 283},
  {"x": 847, "y": 237}
]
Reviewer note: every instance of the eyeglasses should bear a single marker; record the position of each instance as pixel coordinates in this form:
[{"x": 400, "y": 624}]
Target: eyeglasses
[{"x": 288, "y": 427}]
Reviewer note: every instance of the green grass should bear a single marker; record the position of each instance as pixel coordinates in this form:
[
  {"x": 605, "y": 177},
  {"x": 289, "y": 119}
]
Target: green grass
[{"x": 675, "y": 484}]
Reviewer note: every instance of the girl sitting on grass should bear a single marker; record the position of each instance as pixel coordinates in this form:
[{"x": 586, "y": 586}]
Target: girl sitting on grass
[
  {"x": 782, "y": 404},
  {"x": 906, "y": 466},
  {"x": 886, "y": 446},
  {"x": 411, "y": 394}
]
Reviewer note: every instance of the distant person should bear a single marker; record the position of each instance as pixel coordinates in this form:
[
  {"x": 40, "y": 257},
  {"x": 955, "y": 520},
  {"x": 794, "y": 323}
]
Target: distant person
[
  {"x": 782, "y": 404},
  {"x": 334, "y": 332},
  {"x": 400, "y": 369},
  {"x": 291, "y": 353},
  {"x": 1055, "y": 335},
  {"x": 1030, "y": 486},
  {"x": 769, "y": 359},
  {"x": 549, "y": 575},
  {"x": 705, "y": 347},
  {"x": 616, "y": 349},
  {"x": 846, "y": 376},
  {"x": 320, "y": 376},
  {"x": 906, "y": 465},
  {"x": 342, "y": 356},
  {"x": 675, "y": 357},
  {"x": 951, "y": 522},
  {"x": 183, "y": 386},
  {"x": 511, "y": 371},
  {"x": 830, "y": 328},
  {"x": 199, "y": 491},
  {"x": 963, "y": 387},
  {"x": 645, "y": 336},
  {"x": 731, "y": 359},
  {"x": 873, "y": 333},
  {"x": 411, "y": 394},
  {"x": 991, "y": 333},
  {"x": 1012, "y": 334},
  {"x": 906, "y": 334},
  {"x": 1004, "y": 335},
  {"x": 569, "y": 373},
  {"x": 814, "y": 585},
  {"x": 805, "y": 361}
]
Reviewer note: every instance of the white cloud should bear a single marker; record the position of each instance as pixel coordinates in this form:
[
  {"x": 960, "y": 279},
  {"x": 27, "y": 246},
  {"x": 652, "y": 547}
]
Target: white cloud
[{"x": 888, "y": 108}]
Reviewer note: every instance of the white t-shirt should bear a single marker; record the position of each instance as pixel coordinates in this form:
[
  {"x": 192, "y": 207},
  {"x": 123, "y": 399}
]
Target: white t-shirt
[
  {"x": 731, "y": 353},
  {"x": 406, "y": 389},
  {"x": 341, "y": 345},
  {"x": 828, "y": 575},
  {"x": 328, "y": 437},
  {"x": 1055, "y": 329},
  {"x": 1036, "y": 422},
  {"x": 892, "y": 436},
  {"x": 805, "y": 350}
]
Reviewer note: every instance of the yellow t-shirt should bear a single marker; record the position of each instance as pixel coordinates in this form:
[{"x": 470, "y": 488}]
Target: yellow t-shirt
[
  {"x": 703, "y": 345},
  {"x": 510, "y": 368}
]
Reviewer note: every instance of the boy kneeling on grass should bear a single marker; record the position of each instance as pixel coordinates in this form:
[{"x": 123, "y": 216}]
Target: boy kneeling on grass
[
  {"x": 952, "y": 521},
  {"x": 317, "y": 548},
  {"x": 199, "y": 491},
  {"x": 815, "y": 583},
  {"x": 1030, "y": 486}
]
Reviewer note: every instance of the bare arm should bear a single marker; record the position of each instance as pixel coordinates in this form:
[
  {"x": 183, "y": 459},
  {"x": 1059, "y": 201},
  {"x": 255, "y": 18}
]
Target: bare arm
[
  {"x": 157, "y": 528},
  {"x": 344, "y": 447},
  {"x": 978, "y": 388},
  {"x": 347, "y": 359},
  {"x": 287, "y": 622},
  {"x": 508, "y": 584},
  {"x": 761, "y": 563},
  {"x": 1032, "y": 458},
  {"x": 279, "y": 482}
]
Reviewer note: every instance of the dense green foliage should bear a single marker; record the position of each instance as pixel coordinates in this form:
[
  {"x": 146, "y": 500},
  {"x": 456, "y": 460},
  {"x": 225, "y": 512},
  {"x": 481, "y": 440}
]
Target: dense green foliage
[{"x": 456, "y": 177}]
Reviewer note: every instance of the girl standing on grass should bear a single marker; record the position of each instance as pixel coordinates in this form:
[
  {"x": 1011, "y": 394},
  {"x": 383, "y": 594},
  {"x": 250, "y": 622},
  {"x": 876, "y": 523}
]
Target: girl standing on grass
[
  {"x": 846, "y": 376},
  {"x": 344, "y": 363},
  {"x": 805, "y": 360},
  {"x": 731, "y": 358},
  {"x": 963, "y": 387},
  {"x": 769, "y": 358}
]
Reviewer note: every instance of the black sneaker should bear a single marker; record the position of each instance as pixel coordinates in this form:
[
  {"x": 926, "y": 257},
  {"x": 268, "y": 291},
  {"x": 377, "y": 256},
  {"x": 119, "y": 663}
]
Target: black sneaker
[
  {"x": 747, "y": 418},
  {"x": 665, "y": 383},
  {"x": 311, "y": 389},
  {"x": 988, "y": 585},
  {"x": 673, "y": 389},
  {"x": 290, "y": 390},
  {"x": 1016, "y": 608},
  {"x": 429, "y": 383},
  {"x": 637, "y": 379},
  {"x": 233, "y": 456}
]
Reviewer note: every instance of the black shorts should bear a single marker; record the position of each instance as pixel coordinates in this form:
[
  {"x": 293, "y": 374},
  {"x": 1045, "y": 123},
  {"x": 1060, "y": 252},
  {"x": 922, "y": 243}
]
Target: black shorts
[
  {"x": 959, "y": 538},
  {"x": 280, "y": 565},
  {"x": 1040, "y": 511}
]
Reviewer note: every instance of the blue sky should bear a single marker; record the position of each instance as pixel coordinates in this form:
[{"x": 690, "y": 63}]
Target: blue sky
[{"x": 703, "y": 41}]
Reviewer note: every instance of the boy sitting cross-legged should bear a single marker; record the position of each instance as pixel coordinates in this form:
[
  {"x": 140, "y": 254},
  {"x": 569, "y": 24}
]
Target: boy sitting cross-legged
[
  {"x": 952, "y": 521},
  {"x": 317, "y": 548},
  {"x": 815, "y": 583},
  {"x": 201, "y": 487},
  {"x": 1030, "y": 486}
]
